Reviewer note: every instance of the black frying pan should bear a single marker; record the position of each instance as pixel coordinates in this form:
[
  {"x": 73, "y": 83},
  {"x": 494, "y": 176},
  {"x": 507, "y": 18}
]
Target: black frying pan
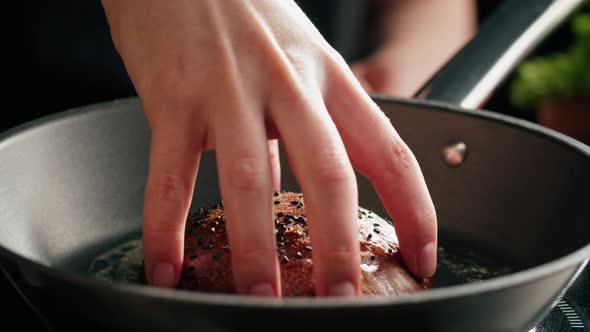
[{"x": 512, "y": 209}]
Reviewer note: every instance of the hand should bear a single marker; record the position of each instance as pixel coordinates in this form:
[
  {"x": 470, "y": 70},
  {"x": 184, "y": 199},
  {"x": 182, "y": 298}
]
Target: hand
[
  {"x": 409, "y": 51},
  {"x": 394, "y": 71},
  {"x": 231, "y": 75}
]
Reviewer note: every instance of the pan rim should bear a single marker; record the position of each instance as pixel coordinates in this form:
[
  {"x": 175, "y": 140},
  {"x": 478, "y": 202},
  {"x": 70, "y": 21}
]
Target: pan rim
[{"x": 579, "y": 257}]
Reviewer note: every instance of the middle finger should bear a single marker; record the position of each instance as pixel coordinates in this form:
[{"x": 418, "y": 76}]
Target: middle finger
[
  {"x": 246, "y": 186},
  {"x": 322, "y": 168}
]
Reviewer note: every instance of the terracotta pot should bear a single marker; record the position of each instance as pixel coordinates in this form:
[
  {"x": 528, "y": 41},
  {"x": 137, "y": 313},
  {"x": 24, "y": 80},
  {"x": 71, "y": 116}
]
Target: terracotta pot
[{"x": 570, "y": 116}]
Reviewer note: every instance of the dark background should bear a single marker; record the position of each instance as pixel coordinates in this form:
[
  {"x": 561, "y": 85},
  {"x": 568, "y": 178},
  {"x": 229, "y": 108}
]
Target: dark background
[{"x": 68, "y": 60}]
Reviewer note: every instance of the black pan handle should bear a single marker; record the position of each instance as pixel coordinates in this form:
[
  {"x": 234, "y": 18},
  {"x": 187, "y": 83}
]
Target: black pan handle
[{"x": 503, "y": 40}]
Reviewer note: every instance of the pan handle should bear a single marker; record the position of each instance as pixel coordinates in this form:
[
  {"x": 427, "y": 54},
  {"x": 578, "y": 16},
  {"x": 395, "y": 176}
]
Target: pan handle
[{"x": 505, "y": 38}]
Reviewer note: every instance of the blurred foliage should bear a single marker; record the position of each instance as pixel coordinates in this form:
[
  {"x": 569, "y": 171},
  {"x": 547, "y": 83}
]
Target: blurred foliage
[{"x": 556, "y": 75}]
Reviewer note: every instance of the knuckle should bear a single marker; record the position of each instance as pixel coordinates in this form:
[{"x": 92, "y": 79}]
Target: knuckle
[
  {"x": 154, "y": 233},
  {"x": 398, "y": 161},
  {"x": 169, "y": 187},
  {"x": 333, "y": 169},
  {"x": 247, "y": 174}
]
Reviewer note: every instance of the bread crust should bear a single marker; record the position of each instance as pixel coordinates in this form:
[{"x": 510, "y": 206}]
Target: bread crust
[{"x": 207, "y": 259}]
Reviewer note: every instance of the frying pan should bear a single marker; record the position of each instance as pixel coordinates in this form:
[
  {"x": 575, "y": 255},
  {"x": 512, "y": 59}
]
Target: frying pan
[{"x": 71, "y": 187}]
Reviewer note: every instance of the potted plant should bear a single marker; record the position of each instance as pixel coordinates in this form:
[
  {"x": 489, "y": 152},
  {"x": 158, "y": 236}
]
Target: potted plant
[{"x": 557, "y": 86}]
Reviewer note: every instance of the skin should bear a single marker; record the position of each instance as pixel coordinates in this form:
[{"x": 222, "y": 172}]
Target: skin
[
  {"x": 411, "y": 50},
  {"x": 234, "y": 76}
]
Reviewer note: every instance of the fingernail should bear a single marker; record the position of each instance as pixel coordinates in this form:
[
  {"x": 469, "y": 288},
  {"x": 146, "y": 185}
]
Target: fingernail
[
  {"x": 262, "y": 289},
  {"x": 163, "y": 275},
  {"x": 427, "y": 260},
  {"x": 342, "y": 289}
]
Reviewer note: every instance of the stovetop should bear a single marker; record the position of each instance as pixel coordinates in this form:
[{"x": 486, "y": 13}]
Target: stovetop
[{"x": 572, "y": 313}]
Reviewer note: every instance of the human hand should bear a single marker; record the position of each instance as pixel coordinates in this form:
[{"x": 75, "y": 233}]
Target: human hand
[
  {"x": 394, "y": 71},
  {"x": 410, "y": 51},
  {"x": 230, "y": 75}
]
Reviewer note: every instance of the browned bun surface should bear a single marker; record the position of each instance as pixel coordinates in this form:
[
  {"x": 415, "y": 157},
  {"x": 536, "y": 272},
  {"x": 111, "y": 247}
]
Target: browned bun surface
[{"x": 207, "y": 261}]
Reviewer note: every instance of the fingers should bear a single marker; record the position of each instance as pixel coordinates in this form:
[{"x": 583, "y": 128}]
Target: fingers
[
  {"x": 173, "y": 166},
  {"x": 246, "y": 188},
  {"x": 378, "y": 152},
  {"x": 326, "y": 177},
  {"x": 275, "y": 164}
]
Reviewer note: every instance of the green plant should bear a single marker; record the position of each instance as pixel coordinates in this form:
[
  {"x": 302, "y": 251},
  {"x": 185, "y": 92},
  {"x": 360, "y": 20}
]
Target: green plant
[{"x": 558, "y": 75}]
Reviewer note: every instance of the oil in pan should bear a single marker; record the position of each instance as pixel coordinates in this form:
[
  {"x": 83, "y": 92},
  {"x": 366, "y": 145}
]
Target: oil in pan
[{"x": 456, "y": 265}]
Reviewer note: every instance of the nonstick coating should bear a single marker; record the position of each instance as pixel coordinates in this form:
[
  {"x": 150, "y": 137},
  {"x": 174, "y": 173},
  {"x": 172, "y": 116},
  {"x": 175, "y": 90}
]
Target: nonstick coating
[{"x": 71, "y": 186}]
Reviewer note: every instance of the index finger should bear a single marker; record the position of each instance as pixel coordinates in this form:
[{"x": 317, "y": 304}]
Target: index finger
[{"x": 392, "y": 169}]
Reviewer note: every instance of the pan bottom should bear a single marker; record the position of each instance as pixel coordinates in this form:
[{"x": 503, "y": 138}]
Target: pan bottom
[{"x": 458, "y": 263}]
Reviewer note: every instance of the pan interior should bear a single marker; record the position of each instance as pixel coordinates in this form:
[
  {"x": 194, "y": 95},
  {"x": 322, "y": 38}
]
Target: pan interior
[
  {"x": 458, "y": 263},
  {"x": 71, "y": 187}
]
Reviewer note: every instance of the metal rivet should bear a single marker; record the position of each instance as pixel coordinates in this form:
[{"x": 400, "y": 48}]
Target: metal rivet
[{"x": 454, "y": 153}]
